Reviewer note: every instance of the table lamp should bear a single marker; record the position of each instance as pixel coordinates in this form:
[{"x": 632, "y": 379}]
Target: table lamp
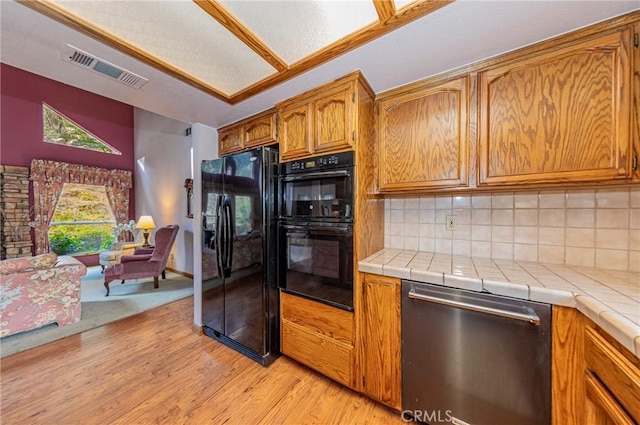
[{"x": 145, "y": 222}]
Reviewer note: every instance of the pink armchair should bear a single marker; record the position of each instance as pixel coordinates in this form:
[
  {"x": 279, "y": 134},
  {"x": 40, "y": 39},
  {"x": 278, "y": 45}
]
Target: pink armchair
[{"x": 144, "y": 264}]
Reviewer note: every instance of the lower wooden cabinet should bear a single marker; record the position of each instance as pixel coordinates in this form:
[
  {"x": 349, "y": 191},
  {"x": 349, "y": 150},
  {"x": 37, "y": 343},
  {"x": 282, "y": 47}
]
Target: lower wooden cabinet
[
  {"x": 318, "y": 336},
  {"x": 612, "y": 380},
  {"x": 382, "y": 361},
  {"x": 601, "y": 408},
  {"x": 595, "y": 380}
]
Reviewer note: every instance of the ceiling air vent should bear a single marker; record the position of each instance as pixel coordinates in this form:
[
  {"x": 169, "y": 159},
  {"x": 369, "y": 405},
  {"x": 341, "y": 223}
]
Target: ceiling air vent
[{"x": 74, "y": 55}]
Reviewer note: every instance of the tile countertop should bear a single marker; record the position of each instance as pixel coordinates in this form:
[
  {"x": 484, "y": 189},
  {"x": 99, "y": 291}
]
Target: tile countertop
[{"x": 610, "y": 298}]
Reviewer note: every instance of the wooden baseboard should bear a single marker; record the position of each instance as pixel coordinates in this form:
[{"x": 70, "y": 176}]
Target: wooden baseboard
[
  {"x": 198, "y": 330},
  {"x": 185, "y": 274}
]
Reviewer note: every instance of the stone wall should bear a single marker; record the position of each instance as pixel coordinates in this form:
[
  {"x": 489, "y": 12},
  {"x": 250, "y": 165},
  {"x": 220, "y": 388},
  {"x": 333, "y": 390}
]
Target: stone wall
[{"x": 15, "y": 232}]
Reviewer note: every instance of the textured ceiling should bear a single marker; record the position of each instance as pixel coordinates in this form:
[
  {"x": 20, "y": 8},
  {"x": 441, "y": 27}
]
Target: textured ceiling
[
  {"x": 234, "y": 49},
  {"x": 170, "y": 44}
]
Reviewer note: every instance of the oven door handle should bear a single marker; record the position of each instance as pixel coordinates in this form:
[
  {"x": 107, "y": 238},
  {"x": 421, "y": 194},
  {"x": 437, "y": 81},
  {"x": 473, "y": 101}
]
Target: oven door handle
[
  {"x": 531, "y": 317},
  {"x": 319, "y": 229},
  {"x": 315, "y": 175},
  {"x": 295, "y": 228}
]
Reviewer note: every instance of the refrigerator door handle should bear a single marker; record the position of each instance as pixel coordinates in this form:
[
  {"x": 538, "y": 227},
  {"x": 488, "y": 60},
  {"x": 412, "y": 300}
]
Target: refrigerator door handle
[
  {"x": 228, "y": 232},
  {"x": 219, "y": 237}
]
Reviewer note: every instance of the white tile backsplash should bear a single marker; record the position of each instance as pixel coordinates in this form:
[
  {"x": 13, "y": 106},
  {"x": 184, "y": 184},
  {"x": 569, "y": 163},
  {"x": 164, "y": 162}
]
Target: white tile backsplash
[
  {"x": 612, "y": 218},
  {"x": 552, "y": 217},
  {"x": 634, "y": 199},
  {"x": 481, "y": 201},
  {"x": 581, "y": 199},
  {"x": 461, "y": 202},
  {"x": 552, "y": 199},
  {"x": 525, "y": 217},
  {"x": 502, "y": 200},
  {"x": 525, "y": 252},
  {"x": 612, "y": 238},
  {"x": 581, "y": 217},
  {"x": 526, "y": 200},
  {"x": 580, "y": 237},
  {"x": 444, "y": 202},
  {"x": 613, "y": 198},
  {"x": 594, "y": 227},
  {"x": 480, "y": 216}
]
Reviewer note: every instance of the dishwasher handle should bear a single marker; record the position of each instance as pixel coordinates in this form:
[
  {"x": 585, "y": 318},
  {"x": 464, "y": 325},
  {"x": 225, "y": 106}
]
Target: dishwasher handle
[{"x": 531, "y": 317}]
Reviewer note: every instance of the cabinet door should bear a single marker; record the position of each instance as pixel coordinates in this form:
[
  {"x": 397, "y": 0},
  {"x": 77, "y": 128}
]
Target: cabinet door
[
  {"x": 423, "y": 138},
  {"x": 562, "y": 116},
  {"x": 615, "y": 368},
  {"x": 318, "y": 335},
  {"x": 230, "y": 140},
  {"x": 295, "y": 131},
  {"x": 333, "y": 119},
  {"x": 260, "y": 131},
  {"x": 382, "y": 361},
  {"x": 601, "y": 408}
]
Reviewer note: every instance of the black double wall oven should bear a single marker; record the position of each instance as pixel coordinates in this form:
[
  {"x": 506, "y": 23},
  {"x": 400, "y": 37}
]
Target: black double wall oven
[{"x": 316, "y": 229}]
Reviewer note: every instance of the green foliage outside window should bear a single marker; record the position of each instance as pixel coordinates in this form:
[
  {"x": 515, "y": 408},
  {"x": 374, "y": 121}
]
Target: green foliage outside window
[
  {"x": 80, "y": 239},
  {"x": 58, "y": 129},
  {"x": 89, "y": 206}
]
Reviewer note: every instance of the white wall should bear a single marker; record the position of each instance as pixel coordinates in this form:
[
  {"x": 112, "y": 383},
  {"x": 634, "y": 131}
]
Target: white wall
[
  {"x": 163, "y": 162},
  {"x": 205, "y": 146}
]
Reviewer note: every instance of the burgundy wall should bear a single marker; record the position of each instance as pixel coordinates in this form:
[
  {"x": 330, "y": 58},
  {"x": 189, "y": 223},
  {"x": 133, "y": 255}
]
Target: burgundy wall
[
  {"x": 21, "y": 121},
  {"x": 21, "y": 134}
]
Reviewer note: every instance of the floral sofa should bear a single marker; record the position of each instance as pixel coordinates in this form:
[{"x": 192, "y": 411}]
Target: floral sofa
[{"x": 37, "y": 291}]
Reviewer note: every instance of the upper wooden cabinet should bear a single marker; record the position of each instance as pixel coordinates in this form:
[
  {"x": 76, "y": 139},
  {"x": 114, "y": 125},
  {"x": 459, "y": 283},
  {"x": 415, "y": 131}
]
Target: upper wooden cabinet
[
  {"x": 230, "y": 140},
  {"x": 424, "y": 137},
  {"x": 333, "y": 121},
  {"x": 295, "y": 130},
  {"x": 260, "y": 130},
  {"x": 564, "y": 115},
  {"x": 251, "y": 132},
  {"x": 322, "y": 120}
]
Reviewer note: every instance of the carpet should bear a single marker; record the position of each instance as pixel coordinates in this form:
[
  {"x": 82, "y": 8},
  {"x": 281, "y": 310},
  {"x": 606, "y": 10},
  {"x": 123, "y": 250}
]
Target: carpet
[{"x": 132, "y": 297}]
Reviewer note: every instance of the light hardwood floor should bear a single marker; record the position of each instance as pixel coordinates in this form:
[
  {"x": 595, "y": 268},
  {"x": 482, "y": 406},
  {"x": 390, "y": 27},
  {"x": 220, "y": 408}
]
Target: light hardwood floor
[{"x": 152, "y": 369}]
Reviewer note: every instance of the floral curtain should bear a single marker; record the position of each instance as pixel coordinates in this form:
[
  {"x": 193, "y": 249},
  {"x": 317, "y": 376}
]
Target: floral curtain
[{"x": 49, "y": 177}]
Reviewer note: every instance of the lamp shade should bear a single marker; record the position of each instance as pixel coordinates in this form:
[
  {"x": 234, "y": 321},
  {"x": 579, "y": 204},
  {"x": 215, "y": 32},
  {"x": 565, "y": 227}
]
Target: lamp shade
[{"x": 145, "y": 222}]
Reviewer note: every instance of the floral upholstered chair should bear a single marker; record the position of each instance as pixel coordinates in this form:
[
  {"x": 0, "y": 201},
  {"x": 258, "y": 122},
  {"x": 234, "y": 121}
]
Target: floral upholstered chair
[
  {"x": 127, "y": 239},
  {"x": 144, "y": 264}
]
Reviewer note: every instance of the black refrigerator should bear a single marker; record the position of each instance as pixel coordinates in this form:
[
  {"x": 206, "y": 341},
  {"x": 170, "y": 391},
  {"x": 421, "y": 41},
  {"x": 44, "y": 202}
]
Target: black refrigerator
[{"x": 239, "y": 256}]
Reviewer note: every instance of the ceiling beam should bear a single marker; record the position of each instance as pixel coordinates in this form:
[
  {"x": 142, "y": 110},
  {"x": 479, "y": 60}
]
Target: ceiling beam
[
  {"x": 75, "y": 22},
  {"x": 405, "y": 15},
  {"x": 386, "y": 9},
  {"x": 227, "y": 20}
]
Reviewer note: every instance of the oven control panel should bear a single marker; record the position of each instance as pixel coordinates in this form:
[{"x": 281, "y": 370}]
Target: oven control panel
[{"x": 343, "y": 159}]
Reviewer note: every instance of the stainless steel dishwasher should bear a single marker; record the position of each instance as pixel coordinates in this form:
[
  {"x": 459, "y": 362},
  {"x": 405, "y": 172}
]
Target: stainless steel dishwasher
[{"x": 474, "y": 358}]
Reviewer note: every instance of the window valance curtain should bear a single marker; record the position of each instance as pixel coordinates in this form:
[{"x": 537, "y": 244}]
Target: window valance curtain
[{"x": 49, "y": 177}]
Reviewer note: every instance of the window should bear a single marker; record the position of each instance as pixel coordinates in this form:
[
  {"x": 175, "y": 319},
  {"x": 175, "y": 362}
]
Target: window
[
  {"x": 60, "y": 130},
  {"x": 82, "y": 221}
]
